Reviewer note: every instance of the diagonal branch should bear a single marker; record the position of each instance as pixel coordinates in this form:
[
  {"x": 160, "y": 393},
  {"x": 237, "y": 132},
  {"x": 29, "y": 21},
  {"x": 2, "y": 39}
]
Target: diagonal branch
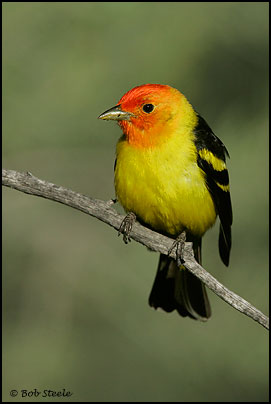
[{"x": 26, "y": 182}]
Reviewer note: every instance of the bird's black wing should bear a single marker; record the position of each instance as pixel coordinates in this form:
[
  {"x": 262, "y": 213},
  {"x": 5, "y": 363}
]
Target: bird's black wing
[{"x": 211, "y": 156}]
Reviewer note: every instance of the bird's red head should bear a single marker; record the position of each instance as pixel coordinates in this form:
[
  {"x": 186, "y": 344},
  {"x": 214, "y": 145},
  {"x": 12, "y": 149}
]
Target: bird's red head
[{"x": 148, "y": 114}]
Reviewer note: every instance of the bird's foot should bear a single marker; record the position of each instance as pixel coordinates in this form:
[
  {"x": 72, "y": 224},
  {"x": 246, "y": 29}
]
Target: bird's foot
[
  {"x": 126, "y": 226},
  {"x": 179, "y": 243},
  {"x": 111, "y": 201}
]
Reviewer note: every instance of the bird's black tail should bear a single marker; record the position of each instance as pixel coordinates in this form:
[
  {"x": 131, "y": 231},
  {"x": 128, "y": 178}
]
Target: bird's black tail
[{"x": 177, "y": 288}]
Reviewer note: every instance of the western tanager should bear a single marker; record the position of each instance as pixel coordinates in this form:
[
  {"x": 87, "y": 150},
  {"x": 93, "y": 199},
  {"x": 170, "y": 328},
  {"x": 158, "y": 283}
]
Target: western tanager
[{"x": 171, "y": 174}]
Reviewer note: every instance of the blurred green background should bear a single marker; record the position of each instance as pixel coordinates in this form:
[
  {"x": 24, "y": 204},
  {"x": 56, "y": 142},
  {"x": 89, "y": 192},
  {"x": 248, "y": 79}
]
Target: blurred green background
[{"x": 75, "y": 296}]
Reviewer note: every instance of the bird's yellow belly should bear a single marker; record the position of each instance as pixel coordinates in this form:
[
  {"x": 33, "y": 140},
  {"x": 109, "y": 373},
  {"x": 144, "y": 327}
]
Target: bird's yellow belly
[{"x": 168, "y": 194}]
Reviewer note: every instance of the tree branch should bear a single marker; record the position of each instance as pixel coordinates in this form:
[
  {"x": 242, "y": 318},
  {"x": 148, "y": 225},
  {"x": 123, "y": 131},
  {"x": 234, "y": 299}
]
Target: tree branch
[{"x": 26, "y": 182}]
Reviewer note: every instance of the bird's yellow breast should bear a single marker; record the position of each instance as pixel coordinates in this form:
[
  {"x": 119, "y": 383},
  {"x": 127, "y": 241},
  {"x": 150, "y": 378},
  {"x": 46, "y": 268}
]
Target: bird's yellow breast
[{"x": 164, "y": 186}]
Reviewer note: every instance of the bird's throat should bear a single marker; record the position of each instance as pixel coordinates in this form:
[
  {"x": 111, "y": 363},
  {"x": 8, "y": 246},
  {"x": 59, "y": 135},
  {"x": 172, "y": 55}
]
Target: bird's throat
[{"x": 144, "y": 138}]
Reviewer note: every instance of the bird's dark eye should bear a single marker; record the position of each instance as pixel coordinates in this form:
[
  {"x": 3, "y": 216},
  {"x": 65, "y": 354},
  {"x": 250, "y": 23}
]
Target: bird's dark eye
[{"x": 148, "y": 108}]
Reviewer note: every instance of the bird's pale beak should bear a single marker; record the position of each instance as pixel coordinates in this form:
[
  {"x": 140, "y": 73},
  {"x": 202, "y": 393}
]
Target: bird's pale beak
[{"x": 116, "y": 114}]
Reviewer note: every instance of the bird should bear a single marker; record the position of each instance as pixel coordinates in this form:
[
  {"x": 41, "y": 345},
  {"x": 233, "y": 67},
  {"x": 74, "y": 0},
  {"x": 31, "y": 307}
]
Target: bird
[{"x": 170, "y": 175}]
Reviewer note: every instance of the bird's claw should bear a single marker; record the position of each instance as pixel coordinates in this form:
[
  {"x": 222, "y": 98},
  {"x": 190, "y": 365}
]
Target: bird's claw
[
  {"x": 179, "y": 243},
  {"x": 126, "y": 226},
  {"x": 111, "y": 201}
]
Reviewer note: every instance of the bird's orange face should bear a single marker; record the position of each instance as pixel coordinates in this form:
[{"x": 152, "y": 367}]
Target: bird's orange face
[{"x": 147, "y": 114}]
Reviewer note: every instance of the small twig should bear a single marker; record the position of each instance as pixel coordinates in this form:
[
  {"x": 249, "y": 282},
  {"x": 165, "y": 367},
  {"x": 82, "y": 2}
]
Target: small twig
[{"x": 26, "y": 182}]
